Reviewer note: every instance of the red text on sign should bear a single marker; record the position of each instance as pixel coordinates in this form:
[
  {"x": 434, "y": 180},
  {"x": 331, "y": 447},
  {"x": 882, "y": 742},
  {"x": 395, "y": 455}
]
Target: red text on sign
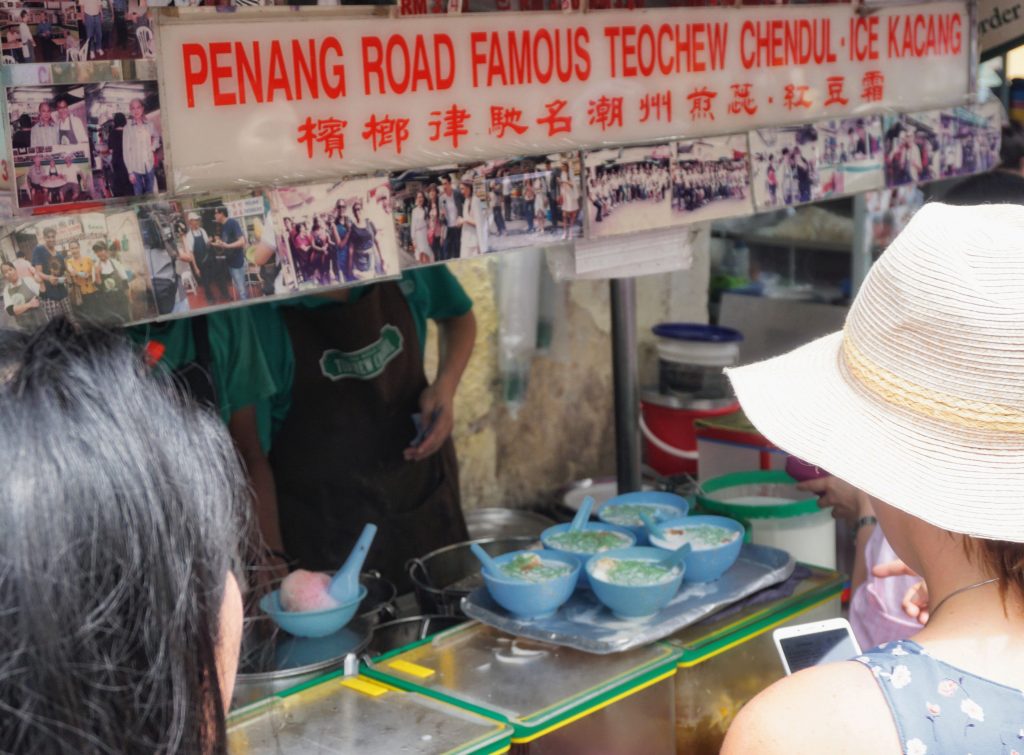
[
  {"x": 393, "y": 64},
  {"x": 239, "y": 72},
  {"x": 643, "y": 49},
  {"x": 782, "y": 43},
  {"x": 530, "y": 56}
]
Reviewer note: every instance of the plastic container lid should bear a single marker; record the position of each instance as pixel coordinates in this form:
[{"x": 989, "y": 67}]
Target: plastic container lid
[
  {"x": 339, "y": 714},
  {"x": 685, "y": 331},
  {"x": 736, "y": 495},
  {"x": 536, "y": 687}
]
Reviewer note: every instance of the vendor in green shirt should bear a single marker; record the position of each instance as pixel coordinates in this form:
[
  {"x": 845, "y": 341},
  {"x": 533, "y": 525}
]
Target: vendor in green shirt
[
  {"x": 347, "y": 450},
  {"x": 218, "y": 360}
]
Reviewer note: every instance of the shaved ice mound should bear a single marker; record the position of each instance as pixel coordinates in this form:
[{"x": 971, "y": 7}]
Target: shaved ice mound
[{"x": 306, "y": 591}]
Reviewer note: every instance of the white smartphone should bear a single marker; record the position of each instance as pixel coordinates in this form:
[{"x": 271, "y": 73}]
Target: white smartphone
[{"x": 806, "y": 645}]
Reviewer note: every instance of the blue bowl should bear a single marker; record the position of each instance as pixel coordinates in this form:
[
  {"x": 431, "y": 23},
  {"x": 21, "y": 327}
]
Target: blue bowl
[
  {"x": 634, "y": 601},
  {"x": 311, "y": 623},
  {"x": 677, "y": 502},
  {"x": 581, "y": 558},
  {"x": 532, "y": 600},
  {"x": 706, "y": 565}
]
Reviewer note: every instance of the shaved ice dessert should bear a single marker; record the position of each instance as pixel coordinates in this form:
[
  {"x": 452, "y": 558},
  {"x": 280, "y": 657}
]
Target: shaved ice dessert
[
  {"x": 701, "y": 537},
  {"x": 307, "y": 591},
  {"x": 588, "y": 541},
  {"x": 628, "y": 514},
  {"x": 532, "y": 568},
  {"x": 634, "y": 572}
]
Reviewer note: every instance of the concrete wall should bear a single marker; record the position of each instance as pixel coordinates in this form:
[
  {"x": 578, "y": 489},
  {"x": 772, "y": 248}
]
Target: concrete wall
[{"x": 565, "y": 429}]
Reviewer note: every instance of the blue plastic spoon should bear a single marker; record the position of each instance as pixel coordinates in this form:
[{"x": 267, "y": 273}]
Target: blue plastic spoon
[
  {"x": 652, "y": 526},
  {"x": 583, "y": 515},
  {"x": 677, "y": 556},
  {"x": 488, "y": 563},
  {"x": 344, "y": 586}
]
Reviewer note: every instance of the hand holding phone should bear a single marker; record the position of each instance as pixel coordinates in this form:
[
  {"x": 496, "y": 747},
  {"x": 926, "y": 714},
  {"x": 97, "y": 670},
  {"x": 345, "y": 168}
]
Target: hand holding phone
[{"x": 817, "y": 642}]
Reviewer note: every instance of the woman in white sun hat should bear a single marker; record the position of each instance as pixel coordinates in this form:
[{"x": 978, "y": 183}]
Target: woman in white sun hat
[{"x": 918, "y": 402}]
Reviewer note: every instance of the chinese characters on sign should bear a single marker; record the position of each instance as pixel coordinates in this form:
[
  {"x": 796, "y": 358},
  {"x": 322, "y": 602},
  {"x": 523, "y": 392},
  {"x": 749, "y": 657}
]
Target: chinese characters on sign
[{"x": 358, "y": 94}]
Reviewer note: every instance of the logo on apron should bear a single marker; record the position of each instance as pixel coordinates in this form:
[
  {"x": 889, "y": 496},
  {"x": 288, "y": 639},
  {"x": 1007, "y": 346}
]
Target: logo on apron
[{"x": 366, "y": 363}]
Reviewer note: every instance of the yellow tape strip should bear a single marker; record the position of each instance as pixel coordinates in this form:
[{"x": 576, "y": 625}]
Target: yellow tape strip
[
  {"x": 372, "y": 689},
  {"x": 412, "y": 669}
]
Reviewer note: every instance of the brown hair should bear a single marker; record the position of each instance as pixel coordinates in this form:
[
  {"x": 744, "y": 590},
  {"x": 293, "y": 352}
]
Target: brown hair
[{"x": 1004, "y": 560}]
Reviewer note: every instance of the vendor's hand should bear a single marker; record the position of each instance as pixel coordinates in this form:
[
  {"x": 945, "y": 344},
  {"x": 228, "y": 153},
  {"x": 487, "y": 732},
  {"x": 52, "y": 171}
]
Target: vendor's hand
[
  {"x": 131, "y": 178},
  {"x": 915, "y": 599},
  {"x": 433, "y": 400},
  {"x": 845, "y": 500}
]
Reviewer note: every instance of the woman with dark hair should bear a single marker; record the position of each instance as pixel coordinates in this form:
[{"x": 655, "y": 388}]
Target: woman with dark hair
[
  {"x": 302, "y": 251},
  {"x": 122, "y": 612},
  {"x": 119, "y": 183},
  {"x": 322, "y": 259}
]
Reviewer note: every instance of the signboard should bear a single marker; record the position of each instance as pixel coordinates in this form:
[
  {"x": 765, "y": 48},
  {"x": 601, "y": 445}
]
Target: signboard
[
  {"x": 300, "y": 98},
  {"x": 1000, "y": 25}
]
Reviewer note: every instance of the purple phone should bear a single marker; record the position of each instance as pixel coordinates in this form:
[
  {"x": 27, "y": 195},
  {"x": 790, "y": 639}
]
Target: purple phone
[{"x": 801, "y": 471}]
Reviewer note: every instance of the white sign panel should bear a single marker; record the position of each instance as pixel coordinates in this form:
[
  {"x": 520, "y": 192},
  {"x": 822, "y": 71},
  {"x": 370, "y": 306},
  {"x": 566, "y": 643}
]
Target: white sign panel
[
  {"x": 1000, "y": 24},
  {"x": 297, "y": 98}
]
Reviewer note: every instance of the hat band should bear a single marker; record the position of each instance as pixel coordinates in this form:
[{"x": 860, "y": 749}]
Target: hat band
[{"x": 897, "y": 391}]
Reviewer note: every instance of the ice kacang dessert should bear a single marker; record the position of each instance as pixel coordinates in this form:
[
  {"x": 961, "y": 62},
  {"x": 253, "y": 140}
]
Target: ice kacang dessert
[
  {"x": 588, "y": 541},
  {"x": 628, "y": 514},
  {"x": 532, "y": 568},
  {"x": 701, "y": 537},
  {"x": 306, "y": 591},
  {"x": 634, "y": 571}
]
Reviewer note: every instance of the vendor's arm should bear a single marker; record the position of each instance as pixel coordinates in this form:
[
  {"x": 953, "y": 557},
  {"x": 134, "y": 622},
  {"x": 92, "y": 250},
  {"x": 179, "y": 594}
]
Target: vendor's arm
[
  {"x": 245, "y": 433},
  {"x": 458, "y": 334}
]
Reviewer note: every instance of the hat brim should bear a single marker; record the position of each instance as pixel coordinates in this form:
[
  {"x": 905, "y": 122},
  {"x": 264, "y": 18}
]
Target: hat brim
[{"x": 958, "y": 479}]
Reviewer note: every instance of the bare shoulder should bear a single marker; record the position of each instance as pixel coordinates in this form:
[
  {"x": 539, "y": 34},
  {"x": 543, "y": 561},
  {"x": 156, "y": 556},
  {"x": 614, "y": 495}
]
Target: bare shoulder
[{"x": 837, "y": 708}]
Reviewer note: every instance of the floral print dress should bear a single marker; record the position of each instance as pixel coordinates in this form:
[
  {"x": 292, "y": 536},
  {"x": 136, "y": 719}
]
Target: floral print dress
[{"x": 940, "y": 709}]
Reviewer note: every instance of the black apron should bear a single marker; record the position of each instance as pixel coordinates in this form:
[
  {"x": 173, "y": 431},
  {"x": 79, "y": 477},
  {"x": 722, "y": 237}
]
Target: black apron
[{"x": 337, "y": 459}]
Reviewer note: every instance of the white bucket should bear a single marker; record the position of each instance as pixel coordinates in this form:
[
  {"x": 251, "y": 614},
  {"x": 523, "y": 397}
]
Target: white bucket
[{"x": 776, "y": 513}]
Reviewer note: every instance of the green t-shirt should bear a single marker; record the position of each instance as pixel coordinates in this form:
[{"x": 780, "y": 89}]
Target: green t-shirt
[
  {"x": 240, "y": 370},
  {"x": 432, "y": 293}
]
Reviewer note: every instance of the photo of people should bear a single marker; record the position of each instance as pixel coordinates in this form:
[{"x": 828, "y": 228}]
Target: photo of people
[
  {"x": 785, "y": 165},
  {"x": 970, "y": 138},
  {"x": 127, "y": 144},
  {"x": 37, "y": 32},
  {"x": 80, "y": 142},
  {"x": 851, "y": 156},
  {"x": 50, "y": 144},
  {"x": 87, "y": 267},
  {"x": 113, "y": 30},
  {"x": 532, "y": 201},
  {"x": 426, "y": 205},
  {"x": 913, "y": 148},
  {"x": 628, "y": 190},
  {"x": 889, "y": 211},
  {"x": 337, "y": 233},
  {"x": 711, "y": 178}
]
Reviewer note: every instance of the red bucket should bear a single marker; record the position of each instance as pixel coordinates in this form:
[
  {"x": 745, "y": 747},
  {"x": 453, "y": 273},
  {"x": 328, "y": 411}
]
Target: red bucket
[{"x": 670, "y": 441}]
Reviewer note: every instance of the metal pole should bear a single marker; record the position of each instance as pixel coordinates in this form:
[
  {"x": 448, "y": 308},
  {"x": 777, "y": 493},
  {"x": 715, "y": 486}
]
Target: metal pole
[
  {"x": 861, "y": 257},
  {"x": 624, "y": 373}
]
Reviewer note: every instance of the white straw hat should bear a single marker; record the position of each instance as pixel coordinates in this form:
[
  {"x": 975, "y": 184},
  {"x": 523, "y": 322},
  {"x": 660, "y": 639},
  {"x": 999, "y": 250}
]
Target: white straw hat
[{"x": 919, "y": 401}]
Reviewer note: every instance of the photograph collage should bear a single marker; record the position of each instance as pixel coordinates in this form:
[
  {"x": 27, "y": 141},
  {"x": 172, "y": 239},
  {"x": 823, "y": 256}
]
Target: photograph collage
[
  {"x": 75, "y": 31},
  {"x": 86, "y": 142},
  {"x": 168, "y": 258}
]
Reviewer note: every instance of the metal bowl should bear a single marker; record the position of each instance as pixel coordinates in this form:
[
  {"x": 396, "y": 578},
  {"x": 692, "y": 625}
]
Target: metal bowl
[
  {"x": 443, "y": 577},
  {"x": 277, "y": 661},
  {"x": 490, "y": 523},
  {"x": 396, "y": 634}
]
